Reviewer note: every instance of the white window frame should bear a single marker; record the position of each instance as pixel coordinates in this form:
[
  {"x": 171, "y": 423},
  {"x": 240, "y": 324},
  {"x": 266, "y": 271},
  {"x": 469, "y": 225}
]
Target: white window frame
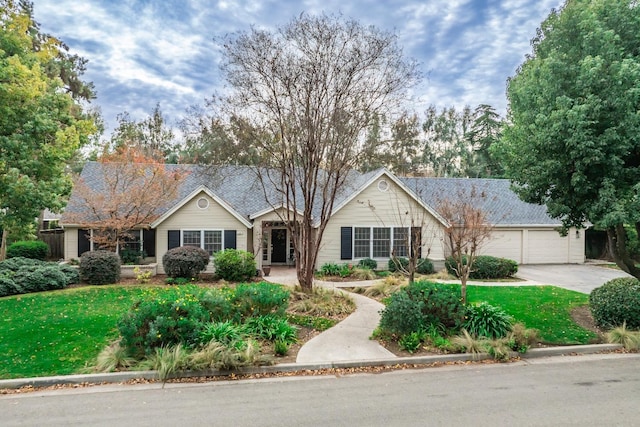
[
  {"x": 391, "y": 229},
  {"x": 202, "y": 242}
]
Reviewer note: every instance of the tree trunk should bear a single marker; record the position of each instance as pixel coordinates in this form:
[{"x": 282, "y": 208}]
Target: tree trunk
[
  {"x": 3, "y": 246},
  {"x": 463, "y": 288},
  {"x": 617, "y": 242}
]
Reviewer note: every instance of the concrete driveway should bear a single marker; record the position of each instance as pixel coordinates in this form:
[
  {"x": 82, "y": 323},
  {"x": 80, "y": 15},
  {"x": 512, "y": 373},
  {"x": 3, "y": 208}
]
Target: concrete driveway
[{"x": 578, "y": 277}]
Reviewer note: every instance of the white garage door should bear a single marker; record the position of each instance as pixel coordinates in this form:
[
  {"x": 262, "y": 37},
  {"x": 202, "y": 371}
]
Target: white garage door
[
  {"x": 505, "y": 244},
  {"x": 547, "y": 247}
]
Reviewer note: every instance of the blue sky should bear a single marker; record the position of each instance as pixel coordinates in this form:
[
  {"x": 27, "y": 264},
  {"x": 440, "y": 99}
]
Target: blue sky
[{"x": 144, "y": 52}]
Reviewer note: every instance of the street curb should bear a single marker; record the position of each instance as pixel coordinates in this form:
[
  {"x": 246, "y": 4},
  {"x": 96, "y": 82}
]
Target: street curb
[{"x": 119, "y": 377}]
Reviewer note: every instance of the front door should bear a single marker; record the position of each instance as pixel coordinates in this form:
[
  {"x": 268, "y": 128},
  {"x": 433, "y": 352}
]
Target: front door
[{"x": 279, "y": 246}]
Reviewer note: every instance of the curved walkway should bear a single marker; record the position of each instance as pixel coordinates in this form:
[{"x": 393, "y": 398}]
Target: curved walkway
[{"x": 349, "y": 339}]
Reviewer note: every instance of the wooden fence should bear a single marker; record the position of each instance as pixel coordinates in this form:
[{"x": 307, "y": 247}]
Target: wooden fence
[{"x": 55, "y": 239}]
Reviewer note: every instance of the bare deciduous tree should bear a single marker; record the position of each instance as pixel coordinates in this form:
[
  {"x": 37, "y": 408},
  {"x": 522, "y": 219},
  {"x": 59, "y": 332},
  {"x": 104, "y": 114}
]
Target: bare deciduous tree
[
  {"x": 133, "y": 190},
  {"x": 468, "y": 230},
  {"x": 313, "y": 87}
]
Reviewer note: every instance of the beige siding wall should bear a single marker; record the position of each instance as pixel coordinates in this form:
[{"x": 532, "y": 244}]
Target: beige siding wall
[
  {"x": 191, "y": 217},
  {"x": 70, "y": 243},
  {"x": 375, "y": 208}
]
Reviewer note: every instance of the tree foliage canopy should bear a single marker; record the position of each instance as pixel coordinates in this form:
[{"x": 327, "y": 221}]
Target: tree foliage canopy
[
  {"x": 574, "y": 113},
  {"x": 307, "y": 93},
  {"x": 42, "y": 122}
]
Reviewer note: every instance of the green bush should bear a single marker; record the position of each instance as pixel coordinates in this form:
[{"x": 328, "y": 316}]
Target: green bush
[
  {"x": 421, "y": 306},
  {"x": 9, "y": 287},
  {"x": 185, "y": 261},
  {"x": 398, "y": 264},
  {"x": 485, "y": 320},
  {"x": 72, "y": 273},
  {"x": 258, "y": 299},
  {"x": 402, "y": 315},
  {"x": 411, "y": 342},
  {"x": 235, "y": 265},
  {"x": 44, "y": 278},
  {"x": 425, "y": 266},
  {"x": 369, "y": 263},
  {"x": 486, "y": 267},
  {"x": 130, "y": 256},
  {"x": 34, "y": 249},
  {"x": 165, "y": 319},
  {"x": 219, "y": 302},
  {"x": 19, "y": 263},
  {"x": 330, "y": 269},
  {"x": 617, "y": 302},
  {"x": 100, "y": 267}
]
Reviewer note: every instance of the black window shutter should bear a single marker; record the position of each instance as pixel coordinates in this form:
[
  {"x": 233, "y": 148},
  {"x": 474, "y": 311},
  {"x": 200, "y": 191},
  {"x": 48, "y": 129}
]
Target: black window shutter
[
  {"x": 416, "y": 237},
  {"x": 346, "y": 250},
  {"x": 149, "y": 241},
  {"x": 174, "y": 239},
  {"x": 84, "y": 244},
  {"x": 230, "y": 239}
]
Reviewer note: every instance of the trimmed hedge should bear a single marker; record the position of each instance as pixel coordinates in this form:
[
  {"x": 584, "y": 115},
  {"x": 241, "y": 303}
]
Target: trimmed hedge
[
  {"x": 100, "y": 267},
  {"x": 185, "y": 261},
  {"x": 235, "y": 265},
  {"x": 34, "y": 249},
  {"x": 617, "y": 302},
  {"x": 486, "y": 267}
]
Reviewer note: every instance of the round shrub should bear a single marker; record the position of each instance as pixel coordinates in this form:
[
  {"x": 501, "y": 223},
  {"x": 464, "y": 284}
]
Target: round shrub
[
  {"x": 425, "y": 266},
  {"x": 235, "y": 265},
  {"x": 369, "y": 263},
  {"x": 171, "y": 317},
  {"x": 417, "y": 306},
  {"x": 486, "y": 320},
  {"x": 34, "y": 249},
  {"x": 185, "y": 261},
  {"x": 486, "y": 267},
  {"x": 100, "y": 267},
  {"x": 617, "y": 302}
]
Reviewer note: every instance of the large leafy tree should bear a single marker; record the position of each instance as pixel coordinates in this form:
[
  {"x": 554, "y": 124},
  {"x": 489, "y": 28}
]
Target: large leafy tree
[
  {"x": 313, "y": 88},
  {"x": 573, "y": 141},
  {"x": 42, "y": 122}
]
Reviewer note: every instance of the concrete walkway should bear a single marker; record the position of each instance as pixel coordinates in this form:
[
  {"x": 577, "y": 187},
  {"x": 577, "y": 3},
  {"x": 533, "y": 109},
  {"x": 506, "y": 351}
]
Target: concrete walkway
[{"x": 349, "y": 339}]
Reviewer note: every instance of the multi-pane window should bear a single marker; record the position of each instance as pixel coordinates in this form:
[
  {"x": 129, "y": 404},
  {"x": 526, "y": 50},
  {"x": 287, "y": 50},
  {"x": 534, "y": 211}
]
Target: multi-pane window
[
  {"x": 191, "y": 238},
  {"x": 209, "y": 240},
  {"x": 361, "y": 242},
  {"x": 401, "y": 241},
  {"x": 378, "y": 242},
  {"x": 212, "y": 241},
  {"x": 381, "y": 242}
]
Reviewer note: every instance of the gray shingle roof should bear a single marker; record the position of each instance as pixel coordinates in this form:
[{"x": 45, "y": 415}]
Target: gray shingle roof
[
  {"x": 241, "y": 189},
  {"x": 502, "y": 205}
]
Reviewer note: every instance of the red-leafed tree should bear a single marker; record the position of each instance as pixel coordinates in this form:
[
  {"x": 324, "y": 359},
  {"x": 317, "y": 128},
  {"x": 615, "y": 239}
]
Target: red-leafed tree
[{"x": 134, "y": 189}]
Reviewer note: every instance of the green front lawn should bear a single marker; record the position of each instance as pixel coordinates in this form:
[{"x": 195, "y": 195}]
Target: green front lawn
[
  {"x": 546, "y": 308},
  {"x": 59, "y": 332}
]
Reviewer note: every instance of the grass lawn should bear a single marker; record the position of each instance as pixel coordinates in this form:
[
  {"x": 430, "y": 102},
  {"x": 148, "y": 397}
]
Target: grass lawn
[
  {"x": 59, "y": 332},
  {"x": 546, "y": 308}
]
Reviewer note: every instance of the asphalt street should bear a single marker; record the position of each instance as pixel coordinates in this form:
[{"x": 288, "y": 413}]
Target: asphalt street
[{"x": 561, "y": 391}]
